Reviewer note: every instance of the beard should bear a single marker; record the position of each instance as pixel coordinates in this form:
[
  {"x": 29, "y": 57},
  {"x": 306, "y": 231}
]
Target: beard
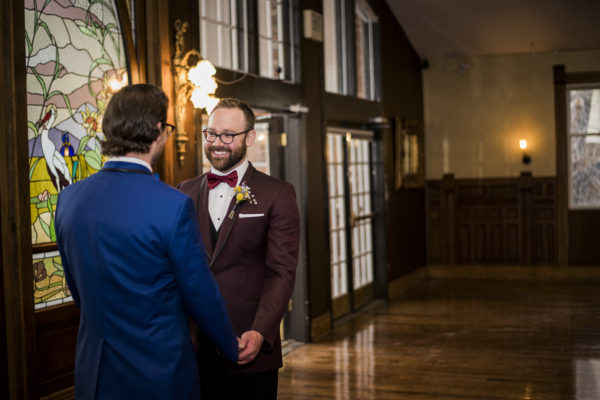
[{"x": 226, "y": 163}]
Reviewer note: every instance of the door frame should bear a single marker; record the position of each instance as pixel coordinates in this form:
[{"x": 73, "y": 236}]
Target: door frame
[{"x": 358, "y": 298}]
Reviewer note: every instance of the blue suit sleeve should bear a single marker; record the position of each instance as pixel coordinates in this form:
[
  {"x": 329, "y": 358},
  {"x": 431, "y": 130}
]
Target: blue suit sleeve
[
  {"x": 65, "y": 262},
  {"x": 199, "y": 291}
]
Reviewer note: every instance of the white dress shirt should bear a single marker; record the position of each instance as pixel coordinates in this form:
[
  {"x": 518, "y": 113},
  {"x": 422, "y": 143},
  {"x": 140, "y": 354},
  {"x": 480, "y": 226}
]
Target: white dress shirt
[
  {"x": 220, "y": 196},
  {"x": 131, "y": 160}
]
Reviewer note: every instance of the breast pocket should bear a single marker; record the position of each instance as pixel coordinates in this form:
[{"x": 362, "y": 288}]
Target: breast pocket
[{"x": 248, "y": 216}]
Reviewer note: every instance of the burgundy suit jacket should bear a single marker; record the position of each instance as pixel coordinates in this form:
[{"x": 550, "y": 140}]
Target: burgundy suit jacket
[{"x": 254, "y": 259}]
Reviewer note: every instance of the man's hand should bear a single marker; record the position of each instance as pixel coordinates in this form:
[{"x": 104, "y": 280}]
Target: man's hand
[{"x": 249, "y": 345}]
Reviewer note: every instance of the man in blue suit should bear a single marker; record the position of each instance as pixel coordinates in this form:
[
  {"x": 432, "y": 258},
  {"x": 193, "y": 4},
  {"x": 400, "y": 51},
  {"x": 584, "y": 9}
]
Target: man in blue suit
[{"x": 135, "y": 265}]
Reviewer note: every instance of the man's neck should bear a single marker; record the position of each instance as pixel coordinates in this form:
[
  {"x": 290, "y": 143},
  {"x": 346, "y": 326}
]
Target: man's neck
[
  {"x": 132, "y": 158},
  {"x": 144, "y": 157}
]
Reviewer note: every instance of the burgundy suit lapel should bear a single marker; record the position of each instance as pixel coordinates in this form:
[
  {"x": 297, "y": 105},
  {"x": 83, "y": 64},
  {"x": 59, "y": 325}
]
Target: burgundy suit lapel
[
  {"x": 231, "y": 217},
  {"x": 204, "y": 217}
]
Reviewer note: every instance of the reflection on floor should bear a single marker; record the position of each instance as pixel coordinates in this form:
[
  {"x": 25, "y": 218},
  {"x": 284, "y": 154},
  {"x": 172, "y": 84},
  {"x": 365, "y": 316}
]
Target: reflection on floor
[{"x": 460, "y": 339}]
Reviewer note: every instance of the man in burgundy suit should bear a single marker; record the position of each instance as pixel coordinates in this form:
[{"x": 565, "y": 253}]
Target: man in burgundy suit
[{"x": 250, "y": 226}]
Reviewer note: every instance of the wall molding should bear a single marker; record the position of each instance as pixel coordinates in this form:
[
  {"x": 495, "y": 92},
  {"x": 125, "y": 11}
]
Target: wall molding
[
  {"x": 320, "y": 326},
  {"x": 398, "y": 287}
]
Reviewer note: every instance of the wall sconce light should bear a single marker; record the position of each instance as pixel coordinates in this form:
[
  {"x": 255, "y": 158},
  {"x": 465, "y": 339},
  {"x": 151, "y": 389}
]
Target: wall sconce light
[
  {"x": 195, "y": 81},
  {"x": 523, "y": 145}
]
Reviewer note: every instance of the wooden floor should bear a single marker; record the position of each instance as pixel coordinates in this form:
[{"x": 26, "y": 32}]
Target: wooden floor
[{"x": 459, "y": 339}]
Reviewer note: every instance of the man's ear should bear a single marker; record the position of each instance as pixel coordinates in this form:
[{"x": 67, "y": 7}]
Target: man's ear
[{"x": 250, "y": 137}]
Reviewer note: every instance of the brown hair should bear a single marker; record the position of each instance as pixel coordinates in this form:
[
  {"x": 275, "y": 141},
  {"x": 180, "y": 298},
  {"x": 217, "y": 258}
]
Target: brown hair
[
  {"x": 131, "y": 118},
  {"x": 230, "y": 102}
]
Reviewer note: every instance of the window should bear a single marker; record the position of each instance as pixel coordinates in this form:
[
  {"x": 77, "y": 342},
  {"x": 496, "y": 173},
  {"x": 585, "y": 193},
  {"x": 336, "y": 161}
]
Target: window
[
  {"x": 351, "y": 32},
  {"x": 584, "y": 146},
  {"x": 223, "y": 33},
  {"x": 365, "y": 56},
  {"x": 277, "y": 35},
  {"x": 67, "y": 97}
]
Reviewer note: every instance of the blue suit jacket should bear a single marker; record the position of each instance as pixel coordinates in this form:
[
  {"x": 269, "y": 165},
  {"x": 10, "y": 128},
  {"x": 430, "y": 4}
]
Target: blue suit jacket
[{"x": 136, "y": 267}]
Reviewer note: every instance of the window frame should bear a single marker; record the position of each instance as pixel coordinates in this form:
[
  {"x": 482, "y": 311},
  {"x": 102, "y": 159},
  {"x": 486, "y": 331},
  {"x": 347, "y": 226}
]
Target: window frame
[
  {"x": 342, "y": 77},
  {"x": 240, "y": 37},
  {"x": 569, "y": 136},
  {"x": 287, "y": 26},
  {"x": 248, "y": 40}
]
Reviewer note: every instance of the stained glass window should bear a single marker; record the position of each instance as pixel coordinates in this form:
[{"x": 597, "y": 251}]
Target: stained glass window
[
  {"x": 75, "y": 59},
  {"x": 49, "y": 285}
]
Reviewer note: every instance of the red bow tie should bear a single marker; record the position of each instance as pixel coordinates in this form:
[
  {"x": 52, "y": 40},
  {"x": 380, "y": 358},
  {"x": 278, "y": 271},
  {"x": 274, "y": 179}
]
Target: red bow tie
[{"x": 213, "y": 179}]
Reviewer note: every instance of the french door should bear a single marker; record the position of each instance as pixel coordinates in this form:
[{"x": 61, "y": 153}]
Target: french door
[{"x": 349, "y": 167}]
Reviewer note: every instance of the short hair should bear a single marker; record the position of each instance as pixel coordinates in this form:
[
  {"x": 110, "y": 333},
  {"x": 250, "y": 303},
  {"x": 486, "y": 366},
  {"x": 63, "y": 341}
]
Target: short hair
[
  {"x": 230, "y": 102},
  {"x": 131, "y": 118}
]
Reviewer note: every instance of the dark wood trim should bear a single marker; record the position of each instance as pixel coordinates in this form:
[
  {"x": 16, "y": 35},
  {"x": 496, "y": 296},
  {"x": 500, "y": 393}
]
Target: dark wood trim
[
  {"x": 130, "y": 51},
  {"x": 578, "y": 77},
  {"x": 320, "y": 326},
  {"x": 140, "y": 40},
  {"x": 562, "y": 181},
  {"x": 3, "y": 353},
  {"x": 363, "y": 296},
  {"x": 157, "y": 35},
  {"x": 340, "y": 306},
  {"x": 15, "y": 212},
  {"x": 44, "y": 247}
]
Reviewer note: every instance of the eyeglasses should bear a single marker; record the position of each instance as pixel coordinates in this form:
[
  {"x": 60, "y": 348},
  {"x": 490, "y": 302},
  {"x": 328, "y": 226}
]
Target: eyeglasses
[
  {"x": 169, "y": 128},
  {"x": 226, "y": 138}
]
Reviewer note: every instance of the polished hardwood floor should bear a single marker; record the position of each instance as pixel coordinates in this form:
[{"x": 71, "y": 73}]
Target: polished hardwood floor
[{"x": 459, "y": 339}]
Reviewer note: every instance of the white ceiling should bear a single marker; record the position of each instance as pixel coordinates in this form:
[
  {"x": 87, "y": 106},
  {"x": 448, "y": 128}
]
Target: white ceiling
[{"x": 462, "y": 28}]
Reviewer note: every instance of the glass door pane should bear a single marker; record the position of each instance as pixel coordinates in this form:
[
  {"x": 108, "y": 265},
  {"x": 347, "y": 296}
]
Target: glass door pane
[
  {"x": 337, "y": 215},
  {"x": 350, "y": 221}
]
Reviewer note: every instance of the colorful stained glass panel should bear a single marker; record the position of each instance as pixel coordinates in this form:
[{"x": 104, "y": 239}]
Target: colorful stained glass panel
[
  {"x": 49, "y": 284},
  {"x": 75, "y": 59}
]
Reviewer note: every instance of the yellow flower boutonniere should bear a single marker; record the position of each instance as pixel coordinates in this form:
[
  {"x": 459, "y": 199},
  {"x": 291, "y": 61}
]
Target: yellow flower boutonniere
[{"x": 242, "y": 193}]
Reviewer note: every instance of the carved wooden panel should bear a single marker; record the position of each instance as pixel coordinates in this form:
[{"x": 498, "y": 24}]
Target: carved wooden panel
[{"x": 491, "y": 221}]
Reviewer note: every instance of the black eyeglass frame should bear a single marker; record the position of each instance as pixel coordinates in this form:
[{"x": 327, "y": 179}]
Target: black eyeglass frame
[
  {"x": 172, "y": 129},
  {"x": 220, "y": 136}
]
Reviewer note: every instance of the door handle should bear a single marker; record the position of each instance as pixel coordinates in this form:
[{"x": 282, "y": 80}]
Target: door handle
[{"x": 354, "y": 219}]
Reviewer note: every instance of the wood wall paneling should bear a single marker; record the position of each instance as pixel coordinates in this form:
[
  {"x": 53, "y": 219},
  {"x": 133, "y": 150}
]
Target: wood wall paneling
[
  {"x": 17, "y": 271},
  {"x": 56, "y": 331},
  {"x": 584, "y": 234},
  {"x": 491, "y": 221}
]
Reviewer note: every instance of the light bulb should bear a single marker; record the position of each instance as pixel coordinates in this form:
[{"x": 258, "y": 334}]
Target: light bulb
[{"x": 523, "y": 144}]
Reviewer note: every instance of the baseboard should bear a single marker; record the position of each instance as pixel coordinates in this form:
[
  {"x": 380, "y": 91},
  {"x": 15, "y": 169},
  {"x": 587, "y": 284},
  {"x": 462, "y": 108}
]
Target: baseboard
[
  {"x": 513, "y": 272},
  {"x": 398, "y": 287},
  {"x": 65, "y": 394},
  {"x": 320, "y": 326}
]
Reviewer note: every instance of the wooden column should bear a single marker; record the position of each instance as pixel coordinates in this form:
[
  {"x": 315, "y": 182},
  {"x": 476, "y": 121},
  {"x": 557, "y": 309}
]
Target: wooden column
[
  {"x": 526, "y": 218},
  {"x": 448, "y": 219},
  {"x": 562, "y": 182},
  {"x": 17, "y": 273}
]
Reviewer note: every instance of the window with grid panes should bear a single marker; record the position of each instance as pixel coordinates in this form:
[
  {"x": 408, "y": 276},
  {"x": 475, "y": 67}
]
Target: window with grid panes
[
  {"x": 584, "y": 146},
  {"x": 224, "y": 33},
  {"x": 351, "y": 33},
  {"x": 277, "y": 39}
]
